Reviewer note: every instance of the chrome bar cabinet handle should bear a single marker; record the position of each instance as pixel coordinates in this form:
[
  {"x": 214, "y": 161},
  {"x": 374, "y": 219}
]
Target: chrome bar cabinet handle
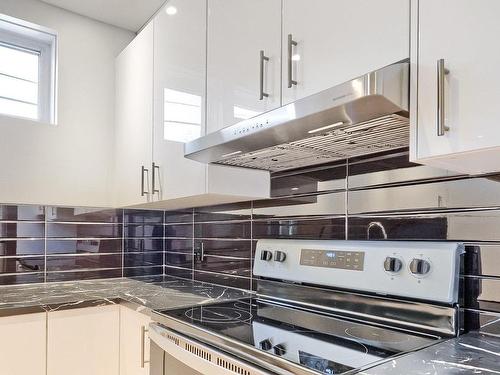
[
  {"x": 143, "y": 180},
  {"x": 143, "y": 345},
  {"x": 153, "y": 178},
  {"x": 291, "y": 43},
  {"x": 441, "y": 73},
  {"x": 262, "y": 93}
]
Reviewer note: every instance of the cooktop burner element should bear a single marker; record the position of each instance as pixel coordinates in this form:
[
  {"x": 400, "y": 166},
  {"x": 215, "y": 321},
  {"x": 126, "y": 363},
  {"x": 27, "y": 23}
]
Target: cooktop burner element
[{"x": 226, "y": 315}]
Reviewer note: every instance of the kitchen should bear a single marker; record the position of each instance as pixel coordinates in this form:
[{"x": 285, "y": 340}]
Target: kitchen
[{"x": 249, "y": 187}]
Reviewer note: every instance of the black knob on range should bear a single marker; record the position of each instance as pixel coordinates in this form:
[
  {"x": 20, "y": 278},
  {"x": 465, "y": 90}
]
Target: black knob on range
[
  {"x": 420, "y": 267},
  {"x": 392, "y": 264},
  {"x": 280, "y": 349},
  {"x": 266, "y": 345},
  {"x": 279, "y": 256},
  {"x": 266, "y": 255}
]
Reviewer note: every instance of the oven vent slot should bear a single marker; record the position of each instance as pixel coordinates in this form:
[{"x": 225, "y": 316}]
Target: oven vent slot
[
  {"x": 174, "y": 339},
  {"x": 198, "y": 352},
  {"x": 232, "y": 367}
]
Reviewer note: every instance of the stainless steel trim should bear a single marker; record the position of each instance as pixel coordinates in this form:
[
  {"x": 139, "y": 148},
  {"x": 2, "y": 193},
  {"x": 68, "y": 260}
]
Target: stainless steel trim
[
  {"x": 409, "y": 315},
  {"x": 441, "y": 115},
  {"x": 262, "y": 59},
  {"x": 366, "y": 115},
  {"x": 153, "y": 178},
  {"x": 291, "y": 43},
  {"x": 143, "y": 170},
  {"x": 143, "y": 345}
]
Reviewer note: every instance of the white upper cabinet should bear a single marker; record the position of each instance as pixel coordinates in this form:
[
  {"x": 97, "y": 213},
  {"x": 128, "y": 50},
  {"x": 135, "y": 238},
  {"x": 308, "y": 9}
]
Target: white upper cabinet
[
  {"x": 179, "y": 98},
  {"x": 455, "y": 94},
  {"x": 243, "y": 60},
  {"x": 327, "y": 42},
  {"x": 133, "y": 121}
]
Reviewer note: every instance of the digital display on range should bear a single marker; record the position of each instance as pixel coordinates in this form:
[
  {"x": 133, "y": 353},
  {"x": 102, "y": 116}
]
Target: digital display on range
[
  {"x": 346, "y": 260},
  {"x": 322, "y": 365}
]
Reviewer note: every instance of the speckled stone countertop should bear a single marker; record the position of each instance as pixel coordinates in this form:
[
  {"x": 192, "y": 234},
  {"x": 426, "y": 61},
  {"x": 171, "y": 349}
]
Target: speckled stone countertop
[
  {"x": 153, "y": 293},
  {"x": 472, "y": 353}
]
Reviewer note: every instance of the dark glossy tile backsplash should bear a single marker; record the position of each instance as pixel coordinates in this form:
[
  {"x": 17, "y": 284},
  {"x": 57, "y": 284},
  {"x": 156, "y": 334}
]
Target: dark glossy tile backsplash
[
  {"x": 374, "y": 198},
  {"x": 40, "y": 243}
]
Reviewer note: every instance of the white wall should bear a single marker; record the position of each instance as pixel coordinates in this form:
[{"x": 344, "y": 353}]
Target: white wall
[{"x": 74, "y": 158}]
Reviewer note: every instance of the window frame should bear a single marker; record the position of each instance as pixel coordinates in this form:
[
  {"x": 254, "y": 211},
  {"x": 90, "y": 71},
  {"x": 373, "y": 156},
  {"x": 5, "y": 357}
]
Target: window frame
[{"x": 23, "y": 35}]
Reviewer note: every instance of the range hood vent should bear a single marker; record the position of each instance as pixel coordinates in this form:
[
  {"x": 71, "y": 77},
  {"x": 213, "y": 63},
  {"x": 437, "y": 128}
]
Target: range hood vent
[{"x": 366, "y": 115}]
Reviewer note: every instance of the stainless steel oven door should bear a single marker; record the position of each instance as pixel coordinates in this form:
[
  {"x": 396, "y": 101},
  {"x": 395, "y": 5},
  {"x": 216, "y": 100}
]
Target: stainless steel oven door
[{"x": 175, "y": 354}]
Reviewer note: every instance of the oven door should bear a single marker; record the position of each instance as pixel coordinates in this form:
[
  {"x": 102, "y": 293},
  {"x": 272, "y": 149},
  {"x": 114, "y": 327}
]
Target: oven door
[{"x": 175, "y": 354}]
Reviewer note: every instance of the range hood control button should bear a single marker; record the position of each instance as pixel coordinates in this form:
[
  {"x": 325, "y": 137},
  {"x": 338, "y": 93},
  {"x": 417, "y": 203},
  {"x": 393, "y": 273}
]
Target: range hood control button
[
  {"x": 420, "y": 267},
  {"x": 392, "y": 264},
  {"x": 266, "y": 345},
  {"x": 266, "y": 255},
  {"x": 280, "y": 349},
  {"x": 279, "y": 256}
]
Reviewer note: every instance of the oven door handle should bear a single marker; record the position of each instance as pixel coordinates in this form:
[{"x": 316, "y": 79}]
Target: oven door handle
[{"x": 196, "y": 355}]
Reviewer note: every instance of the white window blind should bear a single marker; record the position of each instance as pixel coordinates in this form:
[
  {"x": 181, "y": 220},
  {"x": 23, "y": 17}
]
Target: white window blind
[{"x": 27, "y": 70}]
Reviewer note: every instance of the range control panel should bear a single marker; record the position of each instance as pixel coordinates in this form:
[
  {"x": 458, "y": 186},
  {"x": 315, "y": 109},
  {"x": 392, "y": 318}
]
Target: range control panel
[
  {"x": 347, "y": 260},
  {"x": 414, "y": 269}
]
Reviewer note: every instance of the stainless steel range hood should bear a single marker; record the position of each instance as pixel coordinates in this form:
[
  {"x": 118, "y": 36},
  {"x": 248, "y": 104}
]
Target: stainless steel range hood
[{"x": 366, "y": 115}]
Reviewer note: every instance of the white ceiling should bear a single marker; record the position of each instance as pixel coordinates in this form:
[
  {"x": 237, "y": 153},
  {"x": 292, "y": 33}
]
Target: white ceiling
[{"x": 127, "y": 14}]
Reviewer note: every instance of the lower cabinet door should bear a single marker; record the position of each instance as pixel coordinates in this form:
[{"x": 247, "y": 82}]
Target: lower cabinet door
[
  {"x": 84, "y": 341},
  {"x": 134, "y": 342},
  {"x": 23, "y": 344}
]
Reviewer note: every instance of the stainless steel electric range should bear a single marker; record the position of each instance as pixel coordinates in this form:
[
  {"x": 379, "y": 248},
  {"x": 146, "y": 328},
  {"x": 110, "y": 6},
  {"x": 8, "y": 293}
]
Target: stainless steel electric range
[{"x": 321, "y": 307}]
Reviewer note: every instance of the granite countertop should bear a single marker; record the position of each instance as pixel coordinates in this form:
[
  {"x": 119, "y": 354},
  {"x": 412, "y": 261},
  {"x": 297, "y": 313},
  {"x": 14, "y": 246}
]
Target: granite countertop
[
  {"x": 472, "y": 353},
  {"x": 153, "y": 293}
]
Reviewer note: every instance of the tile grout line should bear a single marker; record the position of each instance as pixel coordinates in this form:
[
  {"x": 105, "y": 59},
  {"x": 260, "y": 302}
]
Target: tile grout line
[
  {"x": 192, "y": 244},
  {"x": 123, "y": 242},
  {"x": 45, "y": 209}
]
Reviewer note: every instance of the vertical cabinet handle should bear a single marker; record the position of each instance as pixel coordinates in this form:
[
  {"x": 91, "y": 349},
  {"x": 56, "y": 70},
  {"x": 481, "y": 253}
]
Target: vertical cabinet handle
[
  {"x": 143, "y": 180},
  {"x": 291, "y": 43},
  {"x": 143, "y": 345},
  {"x": 263, "y": 59},
  {"x": 153, "y": 178},
  {"x": 441, "y": 73}
]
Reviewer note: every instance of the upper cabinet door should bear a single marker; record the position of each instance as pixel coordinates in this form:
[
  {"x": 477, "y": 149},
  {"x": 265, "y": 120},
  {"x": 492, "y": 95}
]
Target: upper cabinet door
[
  {"x": 327, "y": 42},
  {"x": 453, "y": 47},
  {"x": 179, "y": 97},
  {"x": 243, "y": 65},
  {"x": 133, "y": 120}
]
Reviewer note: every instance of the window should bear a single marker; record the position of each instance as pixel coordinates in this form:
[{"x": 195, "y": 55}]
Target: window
[
  {"x": 182, "y": 116},
  {"x": 27, "y": 70}
]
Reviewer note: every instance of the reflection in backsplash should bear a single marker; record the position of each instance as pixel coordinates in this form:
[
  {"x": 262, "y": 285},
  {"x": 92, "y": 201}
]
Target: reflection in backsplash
[
  {"x": 373, "y": 198},
  {"x": 39, "y": 243}
]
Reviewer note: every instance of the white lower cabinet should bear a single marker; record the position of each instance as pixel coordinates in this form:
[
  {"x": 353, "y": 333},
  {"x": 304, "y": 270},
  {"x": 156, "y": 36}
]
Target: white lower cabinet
[
  {"x": 23, "y": 344},
  {"x": 134, "y": 342},
  {"x": 84, "y": 341}
]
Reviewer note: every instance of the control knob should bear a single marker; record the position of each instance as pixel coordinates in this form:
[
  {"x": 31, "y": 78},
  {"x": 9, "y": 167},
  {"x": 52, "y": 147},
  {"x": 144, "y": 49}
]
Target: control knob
[
  {"x": 279, "y": 256},
  {"x": 392, "y": 264},
  {"x": 280, "y": 349},
  {"x": 266, "y": 345},
  {"x": 420, "y": 267},
  {"x": 266, "y": 255}
]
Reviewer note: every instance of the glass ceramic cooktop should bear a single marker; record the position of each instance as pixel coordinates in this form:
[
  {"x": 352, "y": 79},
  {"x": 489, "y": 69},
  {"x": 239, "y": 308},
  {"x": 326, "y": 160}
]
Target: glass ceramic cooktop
[{"x": 325, "y": 344}]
